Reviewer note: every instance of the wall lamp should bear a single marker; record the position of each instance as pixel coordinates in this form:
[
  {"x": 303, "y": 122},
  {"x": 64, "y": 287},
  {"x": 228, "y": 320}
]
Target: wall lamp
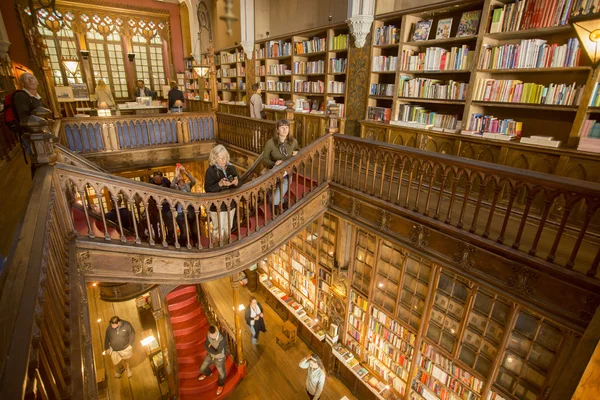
[
  {"x": 131, "y": 56},
  {"x": 587, "y": 27},
  {"x": 84, "y": 54}
]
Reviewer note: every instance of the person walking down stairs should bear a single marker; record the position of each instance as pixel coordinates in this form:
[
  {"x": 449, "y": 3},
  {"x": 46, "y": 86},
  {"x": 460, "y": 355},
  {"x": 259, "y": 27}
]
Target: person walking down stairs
[
  {"x": 118, "y": 344},
  {"x": 216, "y": 347}
]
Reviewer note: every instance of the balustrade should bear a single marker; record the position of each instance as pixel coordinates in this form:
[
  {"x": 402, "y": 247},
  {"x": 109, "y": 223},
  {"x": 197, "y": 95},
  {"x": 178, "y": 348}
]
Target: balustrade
[
  {"x": 160, "y": 216},
  {"x": 548, "y": 217},
  {"x": 247, "y": 133},
  {"x": 87, "y": 135}
]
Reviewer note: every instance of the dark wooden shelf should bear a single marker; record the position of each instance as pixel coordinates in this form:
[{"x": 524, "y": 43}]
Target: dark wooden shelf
[
  {"x": 529, "y": 33},
  {"x": 526, "y": 106}
]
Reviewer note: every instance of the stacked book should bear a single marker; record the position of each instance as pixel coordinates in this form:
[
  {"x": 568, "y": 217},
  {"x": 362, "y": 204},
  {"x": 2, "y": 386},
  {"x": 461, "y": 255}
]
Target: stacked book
[
  {"x": 382, "y": 89},
  {"x": 227, "y": 58},
  {"x": 384, "y": 63},
  {"x": 278, "y": 48},
  {"x": 590, "y": 129},
  {"x": 530, "y": 14},
  {"x": 336, "y": 87},
  {"x": 515, "y": 91},
  {"x": 545, "y": 141},
  {"x": 339, "y": 42},
  {"x": 280, "y": 69},
  {"x": 301, "y": 86},
  {"x": 419, "y": 117},
  {"x": 338, "y": 65},
  {"x": 489, "y": 124},
  {"x": 279, "y": 86},
  {"x": 312, "y": 67},
  {"x": 425, "y": 88},
  {"x": 261, "y": 70},
  {"x": 386, "y": 35},
  {"x": 437, "y": 59},
  {"x": 530, "y": 53},
  {"x": 311, "y": 46},
  {"x": 381, "y": 114}
]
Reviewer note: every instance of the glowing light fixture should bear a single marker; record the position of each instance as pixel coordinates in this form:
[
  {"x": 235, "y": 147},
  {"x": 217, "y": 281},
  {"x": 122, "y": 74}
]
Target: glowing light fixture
[
  {"x": 72, "y": 66},
  {"x": 241, "y": 307},
  {"x": 147, "y": 340},
  {"x": 201, "y": 71},
  {"x": 587, "y": 27}
]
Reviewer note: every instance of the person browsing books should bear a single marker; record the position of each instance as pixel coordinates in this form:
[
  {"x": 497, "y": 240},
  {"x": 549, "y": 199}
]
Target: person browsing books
[
  {"x": 255, "y": 319},
  {"x": 315, "y": 377}
]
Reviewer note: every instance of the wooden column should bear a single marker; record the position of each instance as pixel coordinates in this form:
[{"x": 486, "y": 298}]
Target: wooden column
[
  {"x": 163, "y": 329},
  {"x": 235, "y": 284},
  {"x": 212, "y": 77},
  {"x": 289, "y": 115}
]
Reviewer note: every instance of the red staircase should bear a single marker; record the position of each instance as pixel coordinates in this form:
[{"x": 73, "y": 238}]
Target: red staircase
[{"x": 190, "y": 327}]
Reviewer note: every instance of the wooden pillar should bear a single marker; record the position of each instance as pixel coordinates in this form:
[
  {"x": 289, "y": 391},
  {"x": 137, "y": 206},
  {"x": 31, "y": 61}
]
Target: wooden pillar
[
  {"x": 162, "y": 326},
  {"x": 238, "y": 328},
  {"x": 289, "y": 115},
  {"x": 212, "y": 77}
]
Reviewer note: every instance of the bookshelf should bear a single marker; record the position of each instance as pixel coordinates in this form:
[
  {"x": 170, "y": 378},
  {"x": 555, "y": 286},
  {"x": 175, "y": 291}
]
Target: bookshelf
[
  {"x": 194, "y": 85},
  {"x": 506, "y": 48},
  {"x": 356, "y": 322},
  {"x": 231, "y": 75},
  {"x": 326, "y": 262}
]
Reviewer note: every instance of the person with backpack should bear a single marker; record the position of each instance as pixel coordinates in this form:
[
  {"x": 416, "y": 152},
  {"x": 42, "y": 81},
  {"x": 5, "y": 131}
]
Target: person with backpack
[{"x": 19, "y": 105}]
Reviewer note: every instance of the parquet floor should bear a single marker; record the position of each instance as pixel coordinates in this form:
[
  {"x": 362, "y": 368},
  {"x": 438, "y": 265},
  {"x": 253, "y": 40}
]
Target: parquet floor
[
  {"x": 143, "y": 384},
  {"x": 273, "y": 373}
]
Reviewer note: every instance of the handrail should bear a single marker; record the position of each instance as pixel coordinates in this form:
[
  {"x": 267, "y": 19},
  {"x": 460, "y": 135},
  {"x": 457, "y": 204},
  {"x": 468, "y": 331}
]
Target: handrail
[
  {"x": 247, "y": 133},
  {"x": 89, "y": 135},
  {"x": 66, "y": 156},
  {"x": 216, "y": 318},
  {"x": 158, "y": 212},
  {"x": 36, "y": 305},
  {"x": 251, "y": 171},
  {"x": 545, "y": 210}
]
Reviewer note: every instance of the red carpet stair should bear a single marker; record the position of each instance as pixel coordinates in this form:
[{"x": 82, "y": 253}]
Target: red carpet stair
[{"x": 190, "y": 327}]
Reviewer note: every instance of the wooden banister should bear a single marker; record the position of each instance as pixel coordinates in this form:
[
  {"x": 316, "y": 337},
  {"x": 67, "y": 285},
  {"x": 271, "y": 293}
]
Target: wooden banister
[{"x": 247, "y": 133}]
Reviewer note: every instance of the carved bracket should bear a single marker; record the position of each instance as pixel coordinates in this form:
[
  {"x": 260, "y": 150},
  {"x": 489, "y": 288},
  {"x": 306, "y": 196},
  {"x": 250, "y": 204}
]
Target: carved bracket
[
  {"x": 464, "y": 256},
  {"x": 84, "y": 264},
  {"x": 266, "y": 242},
  {"x": 142, "y": 265},
  {"x": 383, "y": 220},
  {"x": 419, "y": 236},
  {"x": 354, "y": 207},
  {"x": 192, "y": 269},
  {"x": 298, "y": 219},
  {"x": 522, "y": 282},
  {"x": 232, "y": 260}
]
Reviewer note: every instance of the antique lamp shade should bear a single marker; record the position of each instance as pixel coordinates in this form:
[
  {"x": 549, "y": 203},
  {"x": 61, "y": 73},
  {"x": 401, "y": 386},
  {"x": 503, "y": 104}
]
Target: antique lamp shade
[
  {"x": 71, "y": 65},
  {"x": 201, "y": 71},
  {"x": 587, "y": 28}
]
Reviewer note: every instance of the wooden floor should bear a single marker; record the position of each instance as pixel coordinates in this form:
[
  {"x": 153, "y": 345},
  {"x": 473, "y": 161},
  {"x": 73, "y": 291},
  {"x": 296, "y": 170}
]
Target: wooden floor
[
  {"x": 273, "y": 373},
  {"x": 15, "y": 182},
  {"x": 143, "y": 384}
]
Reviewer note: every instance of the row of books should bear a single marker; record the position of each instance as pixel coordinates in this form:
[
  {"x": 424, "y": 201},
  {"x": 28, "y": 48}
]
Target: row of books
[
  {"x": 530, "y": 53},
  {"x": 381, "y": 89},
  {"x": 241, "y": 71},
  {"x": 468, "y": 26},
  {"x": 279, "y": 69},
  {"x": 260, "y": 70},
  {"x": 583, "y": 7},
  {"x": 339, "y": 42},
  {"x": 385, "y": 326},
  {"x": 440, "y": 389},
  {"x": 515, "y": 91},
  {"x": 227, "y": 85},
  {"x": 336, "y": 87},
  {"x": 227, "y": 58},
  {"x": 312, "y": 67},
  {"x": 278, "y": 48},
  {"x": 260, "y": 53},
  {"x": 590, "y": 129},
  {"x": 301, "y": 86},
  {"x": 389, "y": 34},
  {"x": 488, "y": 123},
  {"x": 425, "y": 88},
  {"x": 338, "y": 65},
  {"x": 529, "y": 14},
  {"x": 279, "y": 86},
  {"x": 437, "y": 59},
  {"x": 446, "y": 366},
  {"x": 386, "y": 374},
  {"x": 420, "y": 115},
  {"x": 379, "y": 114},
  {"x": 228, "y": 73},
  {"x": 311, "y": 46},
  {"x": 595, "y": 97},
  {"x": 384, "y": 63}
]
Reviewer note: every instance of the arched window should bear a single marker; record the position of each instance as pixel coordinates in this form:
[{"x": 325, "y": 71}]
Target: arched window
[{"x": 149, "y": 61}]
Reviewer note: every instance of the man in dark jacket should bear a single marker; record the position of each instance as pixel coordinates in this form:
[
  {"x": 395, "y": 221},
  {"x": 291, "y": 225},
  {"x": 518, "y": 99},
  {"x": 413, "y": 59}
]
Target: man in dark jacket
[
  {"x": 118, "y": 343},
  {"x": 216, "y": 346}
]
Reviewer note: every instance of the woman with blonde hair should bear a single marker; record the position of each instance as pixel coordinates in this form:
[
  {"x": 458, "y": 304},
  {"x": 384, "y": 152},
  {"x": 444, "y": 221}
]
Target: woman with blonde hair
[
  {"x": 104, "y": 95},
  {"x": 221, "y": 175}
]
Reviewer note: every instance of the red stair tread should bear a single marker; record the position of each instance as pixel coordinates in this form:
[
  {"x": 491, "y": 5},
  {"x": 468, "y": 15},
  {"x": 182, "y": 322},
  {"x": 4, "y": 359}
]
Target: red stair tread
[
  {"x": 186, "y": 327},
  {"x": 210, "y": 383},
  {"x": 191, "y": 311},
  {"x": 192, "y": 340},
  {"x": 230, "y": 384},
  {"x": 181, "y": 290},
  {"x": 182, "y": 301}
]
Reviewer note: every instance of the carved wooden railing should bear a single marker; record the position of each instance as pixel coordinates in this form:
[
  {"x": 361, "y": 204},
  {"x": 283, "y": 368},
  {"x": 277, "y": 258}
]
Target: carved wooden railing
[
  {"x": 552, "y": 218},
  {"x": 246, "y": 133},
  {"x": 64, "y": 156},
  {"x": 159, "y": 212},
  {"x": 43, "y": 330},
  {"x": 217, "y": 319},
  {"x": 86, "y": 135},
  {"x": 123, "y": 291}
]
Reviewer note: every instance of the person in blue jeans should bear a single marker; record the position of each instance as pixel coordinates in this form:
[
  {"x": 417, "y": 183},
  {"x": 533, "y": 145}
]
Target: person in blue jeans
[
  {"x": 216, "y": 346},
  {"x": 278, "y": 149}
]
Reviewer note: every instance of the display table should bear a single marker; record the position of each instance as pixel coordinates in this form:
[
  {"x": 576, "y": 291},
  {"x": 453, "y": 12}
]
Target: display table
[{"x": 141, "y": 110}]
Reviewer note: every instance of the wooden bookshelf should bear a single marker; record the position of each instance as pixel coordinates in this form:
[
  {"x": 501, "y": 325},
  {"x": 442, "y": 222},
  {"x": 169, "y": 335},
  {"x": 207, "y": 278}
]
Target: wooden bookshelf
[{"x": 231, "y": 74}]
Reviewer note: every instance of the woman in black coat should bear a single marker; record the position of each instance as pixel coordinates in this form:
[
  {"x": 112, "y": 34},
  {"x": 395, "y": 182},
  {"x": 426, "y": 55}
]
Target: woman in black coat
[
  {"x": 255, "y": 319},
  {"x": 221, "y": 176}
]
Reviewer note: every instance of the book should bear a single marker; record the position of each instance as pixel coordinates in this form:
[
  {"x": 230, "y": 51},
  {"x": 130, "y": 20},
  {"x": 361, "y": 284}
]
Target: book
[
  {"x": 422, "y": 29},
  {"x": 469, "y": 22},
  {"x": 497, "y": 18},
  {"x": 443, "y": 28}
]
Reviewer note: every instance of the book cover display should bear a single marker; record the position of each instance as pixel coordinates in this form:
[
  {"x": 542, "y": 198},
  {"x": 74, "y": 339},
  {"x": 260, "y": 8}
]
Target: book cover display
[
  {"x": 444, "y": 27},
  {"x": 469, "y": 22},
  {"x": 422, "y": 29}
]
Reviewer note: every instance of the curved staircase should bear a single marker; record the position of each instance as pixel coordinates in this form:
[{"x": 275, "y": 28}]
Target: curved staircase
[{"x": 190, "y": 327}]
